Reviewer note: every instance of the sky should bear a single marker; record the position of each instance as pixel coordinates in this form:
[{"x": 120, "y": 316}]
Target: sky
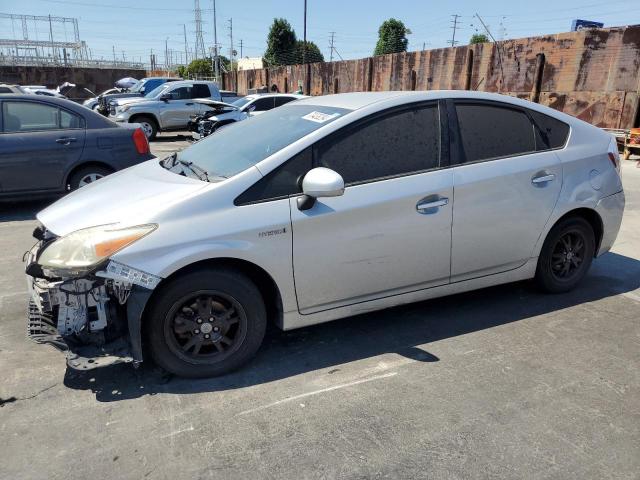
[{"x": 134, "y": 27}]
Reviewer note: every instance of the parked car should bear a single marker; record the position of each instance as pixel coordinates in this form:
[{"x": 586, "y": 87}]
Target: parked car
[
  {"x": 168, "y": 107},
  {"x": 140, "y": 89},
  {"x": 321, "y": 209},
  {"x": 221, "y": 113},
  {"x": 9, "y": 88},
  {"x": 93, "y": 102},
  {"x": 50, "y": 145}
]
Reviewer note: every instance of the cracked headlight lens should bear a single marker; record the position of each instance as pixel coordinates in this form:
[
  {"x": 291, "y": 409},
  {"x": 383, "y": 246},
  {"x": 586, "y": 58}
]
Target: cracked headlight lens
[{"x": 83, "y": 249}]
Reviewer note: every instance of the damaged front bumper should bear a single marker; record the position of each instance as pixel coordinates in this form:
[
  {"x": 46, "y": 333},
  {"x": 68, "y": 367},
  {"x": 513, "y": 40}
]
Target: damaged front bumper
[{"x": 94, "y": 317}]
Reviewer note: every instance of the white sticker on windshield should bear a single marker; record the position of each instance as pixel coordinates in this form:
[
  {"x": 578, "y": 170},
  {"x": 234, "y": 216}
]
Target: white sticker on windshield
[{"x": 320, "y": 117}]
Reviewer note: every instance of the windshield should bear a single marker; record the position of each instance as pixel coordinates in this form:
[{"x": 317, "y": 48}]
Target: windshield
[
  {"x": 239, "y": 146},
  {"x": 241, "y": 102},
  {"x": 137, "y": 86},
  {"x": 156, "y": 92}
]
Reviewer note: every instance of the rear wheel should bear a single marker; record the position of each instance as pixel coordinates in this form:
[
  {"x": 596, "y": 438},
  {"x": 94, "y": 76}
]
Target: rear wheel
[
  {"x": 566, "y": 255},
  {"x": 87, "y": 175},
  {"x": 148, "y": 125},
  {"x": 206, "y": 323}
]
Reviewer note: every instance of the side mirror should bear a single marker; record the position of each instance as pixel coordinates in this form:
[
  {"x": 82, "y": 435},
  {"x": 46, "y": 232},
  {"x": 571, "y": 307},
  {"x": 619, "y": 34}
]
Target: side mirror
[
  {"x": 251, "y": 108},
  {"x": 317, "y": 183},
  {"x": 165, "y": 97}
]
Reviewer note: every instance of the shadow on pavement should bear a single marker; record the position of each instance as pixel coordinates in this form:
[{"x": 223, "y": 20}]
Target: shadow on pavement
[
  {"x": 397, "y": 330},
  {"x": 26, "y": 210}
]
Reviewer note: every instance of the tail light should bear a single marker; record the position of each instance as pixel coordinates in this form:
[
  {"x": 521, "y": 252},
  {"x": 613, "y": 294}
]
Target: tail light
[
  {"x": 141, "y": 142},
  {"x": 614, "y": 154}
]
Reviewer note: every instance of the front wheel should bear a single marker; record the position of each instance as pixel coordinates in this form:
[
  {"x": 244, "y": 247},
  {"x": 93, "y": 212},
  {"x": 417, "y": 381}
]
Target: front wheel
[
  {"x": 566, "y": 255},
  {"x": 206, "y": 323}
]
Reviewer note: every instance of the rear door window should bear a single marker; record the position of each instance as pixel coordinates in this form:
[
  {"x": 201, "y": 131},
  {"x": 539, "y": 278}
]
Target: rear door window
[
  {"x": 282, "y": 100},
  {"x": 494, "y": 131},
  {"x": 398, "y": 143},
  {"x": 200, "y": 91}
]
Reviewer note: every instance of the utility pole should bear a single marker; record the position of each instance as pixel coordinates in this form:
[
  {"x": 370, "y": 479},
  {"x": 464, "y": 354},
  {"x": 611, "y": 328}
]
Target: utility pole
[
  {"x": 186, "y": 47},
  {"x": 216, "y": 61},
  {"x": 424, "y": 45},
  {"x": 331, "y": 46},
  {"x": 231, "y": 42},
  {"x": 455, "y": 27},
  {"x": 498, "y": 49},
  {"x": 240, "y": 48},
  {"x": 304, "y": 39},
  {"x": 166, "y": 53},
  {"x": 113, "y": 49}
]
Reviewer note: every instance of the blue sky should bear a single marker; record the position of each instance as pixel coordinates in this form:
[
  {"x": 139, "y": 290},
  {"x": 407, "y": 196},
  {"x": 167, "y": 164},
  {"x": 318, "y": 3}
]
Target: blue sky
[{"x": 137, "y": 26}]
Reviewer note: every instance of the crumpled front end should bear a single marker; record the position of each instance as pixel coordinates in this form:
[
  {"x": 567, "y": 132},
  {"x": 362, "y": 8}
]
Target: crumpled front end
[{"x": 93, "y": 316}]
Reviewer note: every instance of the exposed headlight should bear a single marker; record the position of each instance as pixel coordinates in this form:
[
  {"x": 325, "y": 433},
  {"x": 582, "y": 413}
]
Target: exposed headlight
[{"x": 83, "y": 249}]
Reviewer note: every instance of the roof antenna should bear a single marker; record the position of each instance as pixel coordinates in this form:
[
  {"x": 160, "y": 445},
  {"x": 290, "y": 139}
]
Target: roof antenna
[{"x": 498, "y": 48}]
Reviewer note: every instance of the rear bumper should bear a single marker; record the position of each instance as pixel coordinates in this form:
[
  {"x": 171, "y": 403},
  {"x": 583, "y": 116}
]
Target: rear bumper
[{"x": 610, "y": 209}]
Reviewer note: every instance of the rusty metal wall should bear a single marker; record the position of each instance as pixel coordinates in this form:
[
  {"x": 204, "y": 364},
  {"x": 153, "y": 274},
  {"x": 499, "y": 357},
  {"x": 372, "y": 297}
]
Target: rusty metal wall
[{"x": 593, "y": 75}]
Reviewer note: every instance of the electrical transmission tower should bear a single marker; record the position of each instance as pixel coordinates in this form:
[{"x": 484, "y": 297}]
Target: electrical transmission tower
[
  {"x": 199, "y": 50},
  {"x": 331, "y": 47},
  {"x": 453, "y": 40}
]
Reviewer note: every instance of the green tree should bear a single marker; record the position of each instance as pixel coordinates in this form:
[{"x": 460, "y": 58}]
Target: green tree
[
  {"x": 181, "y": 71},
  {"x": 392, "y": 37},
  {"x": 311, "y": 55},
  {"x": 200, "y": 67},
  {"x": 281, "y": 43},
  {"x": 478, "y": 38}
]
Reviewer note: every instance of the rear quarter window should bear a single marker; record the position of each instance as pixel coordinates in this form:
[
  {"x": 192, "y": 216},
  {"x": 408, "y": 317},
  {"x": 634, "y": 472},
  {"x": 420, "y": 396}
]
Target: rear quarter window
[{"x": 550, "y": 132}]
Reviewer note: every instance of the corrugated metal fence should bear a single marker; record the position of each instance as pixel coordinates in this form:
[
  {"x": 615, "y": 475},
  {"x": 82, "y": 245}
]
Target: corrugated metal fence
[{"x": 593, "y": 74}]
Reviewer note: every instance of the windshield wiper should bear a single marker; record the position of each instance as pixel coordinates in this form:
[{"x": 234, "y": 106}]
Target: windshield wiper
[{"x": 199, "y": 172}]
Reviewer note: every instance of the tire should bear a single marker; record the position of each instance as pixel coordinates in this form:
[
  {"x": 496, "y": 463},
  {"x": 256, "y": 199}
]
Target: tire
[
  {"x": 566, "y": 255},
  {"x": 86, "y": 175},
  {"x": 175, "y": 325},
  {"x": 148, "y": 124}
]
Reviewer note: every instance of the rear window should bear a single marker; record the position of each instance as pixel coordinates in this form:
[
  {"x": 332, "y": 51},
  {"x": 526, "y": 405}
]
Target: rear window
[{"x": 492, "y": 131}]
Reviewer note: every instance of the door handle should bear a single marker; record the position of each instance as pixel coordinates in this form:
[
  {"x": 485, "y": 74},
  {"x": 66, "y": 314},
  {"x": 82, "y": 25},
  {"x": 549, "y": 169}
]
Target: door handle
[
  {"x": 429, "y": 205},
  {"x": 66, "y": 140},
  {"x": 543, "y": 179},
  {"x": 189, "y": 103}
]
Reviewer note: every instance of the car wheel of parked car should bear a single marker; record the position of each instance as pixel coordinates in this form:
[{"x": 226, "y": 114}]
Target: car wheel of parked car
[
  {"x": 148, "y": 125},
  {"x": 566, "y": 255},
  {"x": 206, "y": 323},
  {"x": 87, "y": 175}
]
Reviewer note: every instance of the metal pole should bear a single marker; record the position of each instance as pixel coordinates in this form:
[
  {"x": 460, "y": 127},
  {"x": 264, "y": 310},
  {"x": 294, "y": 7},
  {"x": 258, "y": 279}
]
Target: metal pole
[
  {"x": 231, "y": 40},
  {"x": 216, "y": 62},
  {"x": 186, "y": 51},
  {"x": 304, "y": 39}
]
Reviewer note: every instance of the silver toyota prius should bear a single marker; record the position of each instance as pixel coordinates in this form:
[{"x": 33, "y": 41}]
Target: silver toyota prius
[{"x": 321, "y": 209}]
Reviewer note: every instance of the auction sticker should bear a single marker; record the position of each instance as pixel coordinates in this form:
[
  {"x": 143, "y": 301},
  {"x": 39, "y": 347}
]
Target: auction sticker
[{"x": 320, "y": 117}]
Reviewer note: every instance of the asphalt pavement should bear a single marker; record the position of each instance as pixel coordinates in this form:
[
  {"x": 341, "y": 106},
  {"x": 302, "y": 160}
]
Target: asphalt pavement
[{"x": 505, "y": 382}]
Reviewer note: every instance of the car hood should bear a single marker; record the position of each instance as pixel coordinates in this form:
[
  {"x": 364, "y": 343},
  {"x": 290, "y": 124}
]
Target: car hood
[
  {"x": 133, "y": 196},
  {"x": 214, "y": 103},
  {"x": 120, "y": 102}
]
